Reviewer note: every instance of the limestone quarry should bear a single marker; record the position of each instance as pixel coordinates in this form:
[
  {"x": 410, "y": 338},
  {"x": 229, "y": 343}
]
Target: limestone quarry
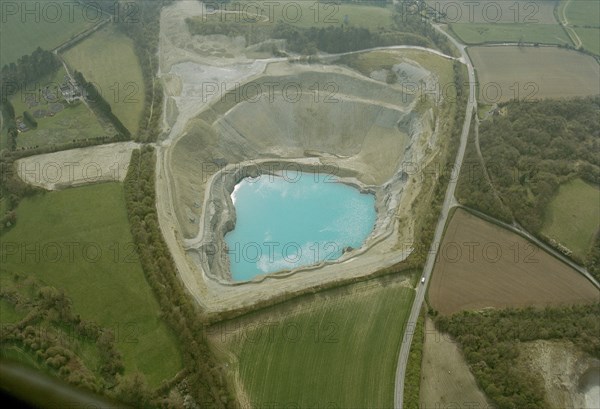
[{"x": 229, "y": 115}]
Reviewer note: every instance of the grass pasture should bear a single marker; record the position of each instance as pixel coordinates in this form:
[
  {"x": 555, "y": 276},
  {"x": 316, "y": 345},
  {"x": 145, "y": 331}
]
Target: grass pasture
[
  {"x": 572, "y": 217},
  {"x": 107, "y": 58},
  {"x": 79, "y": 240},
  {"x": 316, "y": 14},
  {"x": 480, "y": 33},
  {"x": 582, "y": 19},
  {"x": 497, "y": 12},
  {"x": 530, "y": 73},
  {"x": 46, "y": 26},
  {"x": 581, "y": 12},
  {"x": 491, "y": 21},
  {"x": 499, "y": 269},
  {"x": 335, "y": 349},
  {"x": 329, "y": 14},
  {"x": 590, "y": 37}
]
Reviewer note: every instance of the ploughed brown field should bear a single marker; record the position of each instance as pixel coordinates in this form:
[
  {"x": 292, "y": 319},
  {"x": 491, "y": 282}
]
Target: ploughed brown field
[{"x": 483, "y": 265}]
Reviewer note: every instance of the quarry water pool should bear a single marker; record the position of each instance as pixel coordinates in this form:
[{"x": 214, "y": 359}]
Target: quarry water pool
[{"x": 284, "y": 223}]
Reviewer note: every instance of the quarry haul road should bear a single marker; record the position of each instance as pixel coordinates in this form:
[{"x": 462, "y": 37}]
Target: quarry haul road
[{"x": 449, "y": 202}]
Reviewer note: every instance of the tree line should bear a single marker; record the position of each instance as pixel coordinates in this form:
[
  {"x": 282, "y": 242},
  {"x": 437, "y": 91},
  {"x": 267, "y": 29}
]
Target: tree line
[
  {"x": 490, "y": 342},
  {"x": 144, "y": 34},
  {"x": 12, "y": 190},
  {"x": 9, "y": 123},
  {"x": 412, "y": 377},
  {"x": 101, "y": 107},
  {"x": 206, "y": 379}
]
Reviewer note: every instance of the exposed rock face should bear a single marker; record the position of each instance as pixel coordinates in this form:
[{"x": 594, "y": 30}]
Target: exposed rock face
[
  {"x": 368, "y": 136},
  {"x": 226, "y": 104}
]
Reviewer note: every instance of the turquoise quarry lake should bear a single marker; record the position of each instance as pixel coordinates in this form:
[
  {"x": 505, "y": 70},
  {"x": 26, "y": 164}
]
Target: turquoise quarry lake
[{"x": 288, "y": 222}]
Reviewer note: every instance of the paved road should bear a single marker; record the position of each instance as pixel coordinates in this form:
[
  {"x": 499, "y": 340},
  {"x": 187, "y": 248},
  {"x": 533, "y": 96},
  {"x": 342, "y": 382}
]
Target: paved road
[{"x": 449, "y": 202}]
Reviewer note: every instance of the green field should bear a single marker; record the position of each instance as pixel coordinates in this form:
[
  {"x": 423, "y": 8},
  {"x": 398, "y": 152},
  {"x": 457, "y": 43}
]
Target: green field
[
  {"x": 74, "y": 122},
  {"x": 497, "y": 33},
  {"x": 590, "y": 37},
  {"x": 572, "y": 217},
  {"x": 338, "y": 352},
  {"x": 314, "y": 14},
  {"x": 582, "y": 17},
  {"x": 107, "y": 58},
  {"x": 79, "y": 240},
  {"x": 582, "y": 12},
  {"x": 329, "y": 14},
  {"x": 22, "y": 34}
]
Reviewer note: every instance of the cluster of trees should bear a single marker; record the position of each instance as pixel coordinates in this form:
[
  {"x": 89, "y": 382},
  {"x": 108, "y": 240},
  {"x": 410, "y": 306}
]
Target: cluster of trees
[
  {"x": 51, "y": 333},
  {"x": 336, "y": 39},
  {"x": 331, "y": 39},
  {"x": 207, "y": 380},
  {"x": 101, "y": 106},
  {"x": 537, "y": 146},
  {"x": 27, "y": 69},
  {"x": 530, "y": 151},
  {"x": 474, "y": 189},
  {"x": 411, "y": 20},
  {"x": 144, "y": 34},
  {"x": 490, "y": 341}
]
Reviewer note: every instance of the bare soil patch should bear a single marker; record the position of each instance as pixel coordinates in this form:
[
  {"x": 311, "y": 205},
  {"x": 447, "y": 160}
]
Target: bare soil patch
[
  {"x": 481, "y": 265},
  {"x": 561, "y": 368},
  {"x": 76, "y": 167},
  {"x": 446, "y": 380}
]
